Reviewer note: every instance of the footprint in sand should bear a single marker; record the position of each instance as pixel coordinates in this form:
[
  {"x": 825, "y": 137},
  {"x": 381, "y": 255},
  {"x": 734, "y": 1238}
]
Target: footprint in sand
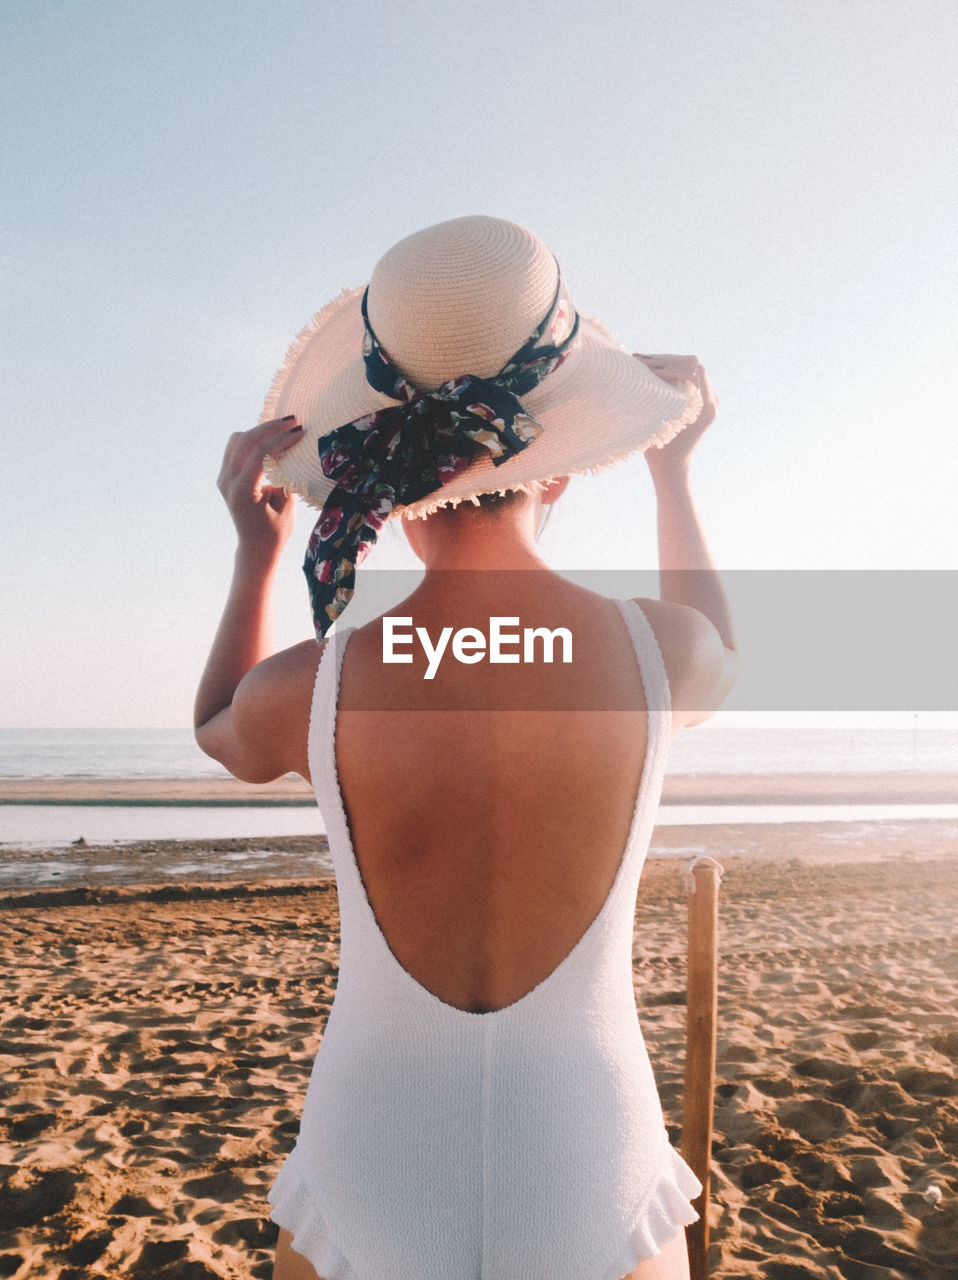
[{"x": 815, "y": 1120}]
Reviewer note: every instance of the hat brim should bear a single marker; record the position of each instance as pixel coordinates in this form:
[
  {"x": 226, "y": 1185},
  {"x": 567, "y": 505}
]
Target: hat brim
[{"x": 597, "y": 408}]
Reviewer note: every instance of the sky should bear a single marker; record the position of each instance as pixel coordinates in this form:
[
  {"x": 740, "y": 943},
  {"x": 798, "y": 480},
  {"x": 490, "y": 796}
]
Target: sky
[{"x": 771, "y": 186}]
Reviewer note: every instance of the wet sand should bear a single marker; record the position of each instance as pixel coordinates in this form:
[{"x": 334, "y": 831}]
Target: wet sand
[
  {"x": 156, "y": 1043},
  {"x": 736, "y": 788}
]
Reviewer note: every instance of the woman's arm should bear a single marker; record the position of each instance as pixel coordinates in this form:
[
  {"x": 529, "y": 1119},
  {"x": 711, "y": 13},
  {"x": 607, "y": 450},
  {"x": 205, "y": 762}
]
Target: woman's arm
[
  {"x": 251, "y": 704},
  {"x": 702, "y": 645}
]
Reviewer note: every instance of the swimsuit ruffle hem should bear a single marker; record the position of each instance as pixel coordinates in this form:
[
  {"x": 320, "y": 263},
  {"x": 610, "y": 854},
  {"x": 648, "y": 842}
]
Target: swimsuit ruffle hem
[{"x": 659, "y": 1218}]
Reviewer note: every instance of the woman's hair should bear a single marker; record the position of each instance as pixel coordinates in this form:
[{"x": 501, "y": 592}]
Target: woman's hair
[
  {"x": 495, "y": 501},
  {"x": 484, "y": 502}
]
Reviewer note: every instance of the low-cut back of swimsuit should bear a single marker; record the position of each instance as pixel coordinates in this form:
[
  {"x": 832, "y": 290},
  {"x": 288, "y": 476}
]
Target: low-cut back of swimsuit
[{"x": 518, "y": 1144}]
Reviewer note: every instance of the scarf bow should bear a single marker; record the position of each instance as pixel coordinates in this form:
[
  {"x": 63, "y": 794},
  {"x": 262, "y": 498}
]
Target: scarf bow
[{"x": 402, "y": 453}]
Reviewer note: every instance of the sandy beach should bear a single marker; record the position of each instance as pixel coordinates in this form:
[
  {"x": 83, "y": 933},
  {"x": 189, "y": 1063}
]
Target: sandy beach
[{"x": 157, "y": 1038}]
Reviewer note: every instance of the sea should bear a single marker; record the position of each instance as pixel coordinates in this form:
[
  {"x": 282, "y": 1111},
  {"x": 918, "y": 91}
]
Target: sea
[{"x": 140, "y": 754}]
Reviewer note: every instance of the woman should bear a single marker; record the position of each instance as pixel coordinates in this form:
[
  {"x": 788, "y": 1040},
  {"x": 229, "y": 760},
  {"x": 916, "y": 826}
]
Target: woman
[{"x": 482, "y": 1104}]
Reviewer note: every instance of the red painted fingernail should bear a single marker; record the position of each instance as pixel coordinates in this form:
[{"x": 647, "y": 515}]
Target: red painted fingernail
[
  {"x": 289, "y": 417},
  {"x": 292, "y": 431}
]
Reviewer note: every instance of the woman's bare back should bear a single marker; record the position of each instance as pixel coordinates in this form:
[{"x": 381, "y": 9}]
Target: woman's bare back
[{"x": 488, "y": 840}]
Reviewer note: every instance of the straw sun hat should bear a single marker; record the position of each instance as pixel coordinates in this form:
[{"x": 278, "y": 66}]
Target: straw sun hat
[{"x": 461, "y": 298}]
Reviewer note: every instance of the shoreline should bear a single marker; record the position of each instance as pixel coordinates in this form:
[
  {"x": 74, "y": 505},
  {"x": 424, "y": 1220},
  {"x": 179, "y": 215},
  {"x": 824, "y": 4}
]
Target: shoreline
[
  {"x": 191, "y": 869},
  {"x": 661, "y": 866},
  {"x": 713, "y": 788}
]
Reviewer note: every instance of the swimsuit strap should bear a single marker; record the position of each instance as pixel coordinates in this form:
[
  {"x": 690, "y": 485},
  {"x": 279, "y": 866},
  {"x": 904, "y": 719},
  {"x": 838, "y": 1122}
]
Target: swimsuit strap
[
  {"x": 655, "y": 681},
  {"x": 658, "y": 701},
  {"x": 322, "y": 721}
]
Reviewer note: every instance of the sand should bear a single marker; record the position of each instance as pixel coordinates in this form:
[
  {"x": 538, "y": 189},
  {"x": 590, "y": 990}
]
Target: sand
[{"x": 157, "y": 1043}]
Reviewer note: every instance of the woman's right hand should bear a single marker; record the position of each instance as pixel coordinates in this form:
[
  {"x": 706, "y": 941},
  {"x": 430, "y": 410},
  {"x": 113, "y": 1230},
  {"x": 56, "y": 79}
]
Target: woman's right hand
[
  {"x": 677, "y": 370},
  {"x": 251, "y": 702},
  {"x": 263, "y": 514}
]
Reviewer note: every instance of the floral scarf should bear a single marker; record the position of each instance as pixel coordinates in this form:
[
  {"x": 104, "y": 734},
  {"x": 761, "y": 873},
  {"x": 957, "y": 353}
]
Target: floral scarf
[{"x": 402, "y": 453}]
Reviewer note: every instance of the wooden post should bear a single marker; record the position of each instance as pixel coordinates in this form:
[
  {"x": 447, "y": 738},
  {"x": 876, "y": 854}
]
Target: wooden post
[{"x": 704, "y": 875}]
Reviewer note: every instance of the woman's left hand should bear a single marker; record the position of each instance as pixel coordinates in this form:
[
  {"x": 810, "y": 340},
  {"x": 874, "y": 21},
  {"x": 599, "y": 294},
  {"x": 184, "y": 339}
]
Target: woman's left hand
[
  {"x": 263, "y": 514},
  {"x": 677, "y": 370}
]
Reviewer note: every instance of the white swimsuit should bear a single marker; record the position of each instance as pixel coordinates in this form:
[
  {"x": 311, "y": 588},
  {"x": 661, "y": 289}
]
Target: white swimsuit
[{"x": 522, "y": 1144}]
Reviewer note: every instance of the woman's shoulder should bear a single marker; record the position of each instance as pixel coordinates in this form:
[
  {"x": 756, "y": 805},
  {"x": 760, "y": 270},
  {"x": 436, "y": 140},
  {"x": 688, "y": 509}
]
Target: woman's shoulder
[
  {"x": 263, "y": 733},
  {"x": 700, "y": 669}
]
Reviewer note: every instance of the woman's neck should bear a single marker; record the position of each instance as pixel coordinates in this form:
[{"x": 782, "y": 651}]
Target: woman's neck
[{"x": 470, "y": 538}]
